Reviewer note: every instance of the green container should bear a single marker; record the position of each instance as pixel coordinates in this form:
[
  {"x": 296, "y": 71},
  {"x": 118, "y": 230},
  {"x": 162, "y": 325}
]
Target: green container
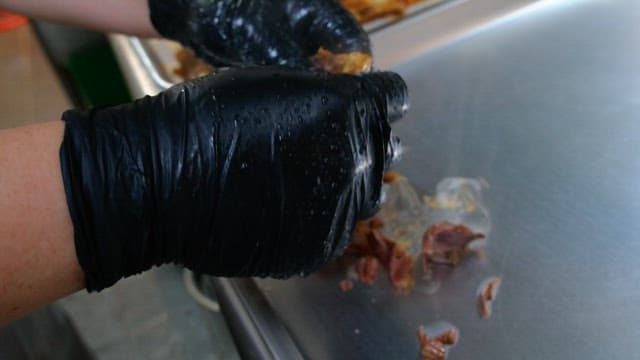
[{"x": 97, "y": 76}]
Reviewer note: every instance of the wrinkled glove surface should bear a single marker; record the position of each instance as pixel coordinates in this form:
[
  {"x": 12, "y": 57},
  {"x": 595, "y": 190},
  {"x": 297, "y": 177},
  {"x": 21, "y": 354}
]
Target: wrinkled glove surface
[
  {"x": 259, "y": 32},
  {"x": 251, "y": 172}
]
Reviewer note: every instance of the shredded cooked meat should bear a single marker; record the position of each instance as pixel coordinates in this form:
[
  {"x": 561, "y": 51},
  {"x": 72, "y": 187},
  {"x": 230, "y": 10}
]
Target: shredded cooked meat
[
  {"x": 446, "y": 244},
  {"x": 391, "y": 176},
  {"x": 435, "y": 348},
  {"x": 346, "y": 285},
  {"x": 367, "y": 269},
  {"x": 487, "y": 294},
  {"x": 347, "y": 63},
  {"x": 401, "y": 269},
  {"x": 189, "y": 66},
  {"x": 370, "y": 242},
  {"x": 368, "y": 10}
]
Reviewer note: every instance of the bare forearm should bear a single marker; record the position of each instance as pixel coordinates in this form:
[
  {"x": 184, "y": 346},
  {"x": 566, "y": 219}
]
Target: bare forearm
[
  {"x": 123, "y": 16},
  {"x": 38, "y": 263}
]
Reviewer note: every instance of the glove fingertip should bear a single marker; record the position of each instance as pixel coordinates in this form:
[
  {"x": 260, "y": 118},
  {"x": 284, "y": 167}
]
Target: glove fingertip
[{"x": 392, "y": 88}]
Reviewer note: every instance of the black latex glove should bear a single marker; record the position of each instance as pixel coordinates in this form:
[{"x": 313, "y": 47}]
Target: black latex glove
[
  {"x": 259, "y": 32},
  {"x": 251, "y": 172}
]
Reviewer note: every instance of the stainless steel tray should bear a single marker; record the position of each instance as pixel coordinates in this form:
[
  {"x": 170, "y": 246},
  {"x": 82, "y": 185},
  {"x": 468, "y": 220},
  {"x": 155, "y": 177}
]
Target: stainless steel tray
[{"x": 541, "y": 100}]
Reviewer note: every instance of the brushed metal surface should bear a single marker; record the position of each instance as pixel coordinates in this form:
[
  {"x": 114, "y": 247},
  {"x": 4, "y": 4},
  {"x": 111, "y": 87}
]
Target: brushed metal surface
[
  {"x": 257, "y": 331},
  {"x": 545, "y": 105}
]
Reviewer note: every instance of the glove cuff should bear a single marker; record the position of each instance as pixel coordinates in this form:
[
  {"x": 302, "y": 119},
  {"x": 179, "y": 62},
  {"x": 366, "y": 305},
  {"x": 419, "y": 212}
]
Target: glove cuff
[{"x": 113, "y": 182}]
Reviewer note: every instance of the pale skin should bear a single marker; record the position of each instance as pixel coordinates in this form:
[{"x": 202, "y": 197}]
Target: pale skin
[
  {"x": 38, "y": 262},
  {"x": 122, "y": 16}
]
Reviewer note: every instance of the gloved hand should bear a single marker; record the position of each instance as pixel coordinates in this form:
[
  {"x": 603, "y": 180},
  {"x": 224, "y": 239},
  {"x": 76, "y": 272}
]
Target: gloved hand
[
  {"x": 259, "y": 32},
  {"x": 251, "y": 172}
]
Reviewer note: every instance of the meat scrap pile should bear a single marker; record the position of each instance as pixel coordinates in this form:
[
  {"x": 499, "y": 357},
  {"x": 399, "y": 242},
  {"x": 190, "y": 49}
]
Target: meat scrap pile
[
  {"x": 190, "y": 66},
  {"x": 374, "y": 249},
  {"x": 439, "y": 232},
  {"x": 443, "y": 244},
  {"x": 369, "y": 10}
]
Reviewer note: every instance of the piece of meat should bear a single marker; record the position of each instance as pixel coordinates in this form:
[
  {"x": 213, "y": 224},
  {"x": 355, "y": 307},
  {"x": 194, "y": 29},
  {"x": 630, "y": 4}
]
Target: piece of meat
[
  {"x": 190, "y": 66},
  {"x": 435, "y": 348},
  {"x": 390, "y": 176},
  {"x": 446, "y": 244},
  {"x": 369, "y": 10},
  {"x": 370, "y": 241},
  {"x": 346, "y": 63},
  {"x": 449, "y": 337},
  {"x": 401, "y": 270},
  {"x": 360, "y": 244},
  {"x": 367, "y": 269},
  {"x": 346, "y": 285},
  {"x": 486, "y": 294}
]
